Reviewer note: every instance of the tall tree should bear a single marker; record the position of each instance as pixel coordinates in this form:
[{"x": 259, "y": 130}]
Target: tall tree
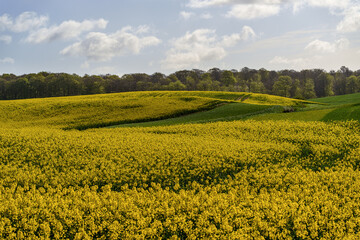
[
  {"x": 282, "y": 86},
  {"x": 227, "y": 78},
  {"x": 309, "y": 89},
  {"x": 256, "y": 85},
  {"x": 295, "y": 91},
  {"x": 352, "y": 84},
  {"x": 324, "y": 85}
]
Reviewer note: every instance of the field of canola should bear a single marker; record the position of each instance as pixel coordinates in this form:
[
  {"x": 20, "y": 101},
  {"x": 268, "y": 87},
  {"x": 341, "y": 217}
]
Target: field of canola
[{"x": 223, "y": 180}]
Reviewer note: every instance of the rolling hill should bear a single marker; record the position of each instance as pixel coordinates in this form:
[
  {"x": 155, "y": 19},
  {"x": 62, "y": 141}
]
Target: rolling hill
[
  {"x": 212, "y": 179},
  {"x": 91, "y": 111}
]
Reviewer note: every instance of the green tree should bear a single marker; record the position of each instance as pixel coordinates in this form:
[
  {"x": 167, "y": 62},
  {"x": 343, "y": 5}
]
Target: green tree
[
  {"x": 17, "y": 88},
  {"x": 352, "y": 84},
  {"x": 2, "y": 89},
  {"x": 190, "y": 83},
  {"x": 324, "y": 84},
  {"x": 227, "y": 78},
  {"x": 309, "y": 89},
  {"x": 282, "y": 86},
  {"x": 112, "y": 83},
  {"x": 176, "y": 86},
  {"x": 296, "y": 91},
  {"x": 38, "y": 86},
  {"x": 93, "y": 84}
]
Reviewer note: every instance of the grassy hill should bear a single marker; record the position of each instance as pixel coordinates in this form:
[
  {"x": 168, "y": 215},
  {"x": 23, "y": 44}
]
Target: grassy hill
[
  {"x": 90, "y": 111},
  {"x": 336, "y": 108},
  {"x": 140, "y": 109}
]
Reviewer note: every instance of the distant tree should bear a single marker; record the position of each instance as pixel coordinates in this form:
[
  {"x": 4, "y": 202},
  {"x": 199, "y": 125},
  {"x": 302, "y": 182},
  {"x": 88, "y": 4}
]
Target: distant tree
[
  {"x": 190, "y": 83},
  {"x": 18, "y": 88},
  {"x": 290, "y": 83},
  {"x": 207, "y": 84},
  {"x": 127, "y": 83},
  {"x": 296, "y": 91},
  {"x": 2, "y": 89},
  {"x": 144, "y": 86},
  {"x": 157, "y": 78},
  {"x": 324, "y": 85},
  {"x": 227, "y": 78},
  {"x": 245, "y": 73},
  {"x": 183, "y": 74},
  {"x": 38, "y": 86},
  {"x": 242, "y": 86},
  {"x": 172, "y": 78},
  {"x": 339, "y": 84},
  {"x": 177, "y": 85},
  {"x": 93, "y": 84},
  {"x": 215, "y": 74},
  {"x": 256, "y": 85},
  {"x": 309, "y": 89},
  {"x": 112, "y": 83},
  {"x": 282, "y": 86},
  {"x": 9, "y": 76},
  {"x": 352, "y": 84},
  {"x": 266, "y": 79},
  {"x": 346, "y": 71}
]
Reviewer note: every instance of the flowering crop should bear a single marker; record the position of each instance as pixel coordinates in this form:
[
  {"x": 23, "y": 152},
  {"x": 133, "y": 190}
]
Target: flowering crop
[
  {"x": 234, "y": 180},
  {"x": 225, "y": 180}
]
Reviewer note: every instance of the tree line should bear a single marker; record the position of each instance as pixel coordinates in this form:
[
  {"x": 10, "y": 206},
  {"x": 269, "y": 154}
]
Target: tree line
[{"x": 304, "y": 84}]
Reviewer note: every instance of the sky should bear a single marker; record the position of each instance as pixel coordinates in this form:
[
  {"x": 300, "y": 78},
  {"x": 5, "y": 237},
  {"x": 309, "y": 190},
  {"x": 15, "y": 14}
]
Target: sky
[{"x": 147, "y": 36}]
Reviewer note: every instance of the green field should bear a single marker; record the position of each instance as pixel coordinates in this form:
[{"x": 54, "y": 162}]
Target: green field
[
  {"x": 337, "y": 108},
  {"x": 214, "y": 165}
]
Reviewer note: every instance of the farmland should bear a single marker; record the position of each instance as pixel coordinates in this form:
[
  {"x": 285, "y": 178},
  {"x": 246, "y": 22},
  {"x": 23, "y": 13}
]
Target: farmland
[{"x": 214, "y": 165}]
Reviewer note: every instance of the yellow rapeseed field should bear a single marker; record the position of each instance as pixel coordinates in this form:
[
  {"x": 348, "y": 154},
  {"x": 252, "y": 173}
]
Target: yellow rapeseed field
[{"x": 223, "y": 180}]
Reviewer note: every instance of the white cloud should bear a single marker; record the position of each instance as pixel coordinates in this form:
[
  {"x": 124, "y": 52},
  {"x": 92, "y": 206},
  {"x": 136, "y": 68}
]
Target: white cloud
[
  {"x": 200, "y": 46},
  {"x": 103, "y": 47},
  {"x": 210, "y": 3},
  {"x": 252, "y": 11},
  {"x": 140, "y": 29},
  {"x": 205, "y": 3},
  {"x": 298, "y": 63},
  {"x": 26, "y": 21},
  {"x": 284, "y": 60},
  {"x": 36, "y": 25},
  {"x": 6, "y": 39},
  {"x": 103, "y": 70},
  {"x": 66, "y": 30},
  {"x": 85, "y": 65},
  {"x": 328, "y": 3},
  {"x": 351, "y": 21},
  {"x": 310, "y": 61},
  {"x": 246, "y": 34},
  {"x": 7, "y": 60},
  {"x": 193, "y": 48},
  {"x": 5, "y": 22},
  {"x": 313, "y": 3},
  {"x": 327, "y": 47},
  {"x": 186, "y": 15},
  {"x": 206, "y": 16}
]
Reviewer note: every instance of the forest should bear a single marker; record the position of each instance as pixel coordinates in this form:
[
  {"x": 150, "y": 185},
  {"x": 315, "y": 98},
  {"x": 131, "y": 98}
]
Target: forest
[{"x": 304, "y": 84}]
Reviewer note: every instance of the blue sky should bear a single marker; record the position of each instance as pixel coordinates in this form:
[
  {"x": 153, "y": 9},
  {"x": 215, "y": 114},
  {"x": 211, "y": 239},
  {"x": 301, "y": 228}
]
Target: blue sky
[{"x": 131, "y": 36}]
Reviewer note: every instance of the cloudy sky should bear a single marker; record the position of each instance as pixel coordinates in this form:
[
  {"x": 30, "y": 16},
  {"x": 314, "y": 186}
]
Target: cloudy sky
[{"x": 130, "y": 36}]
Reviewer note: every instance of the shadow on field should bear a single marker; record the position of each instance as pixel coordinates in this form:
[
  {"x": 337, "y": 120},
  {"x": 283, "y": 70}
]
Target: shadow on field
[{"x": 346, "y": 112}]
